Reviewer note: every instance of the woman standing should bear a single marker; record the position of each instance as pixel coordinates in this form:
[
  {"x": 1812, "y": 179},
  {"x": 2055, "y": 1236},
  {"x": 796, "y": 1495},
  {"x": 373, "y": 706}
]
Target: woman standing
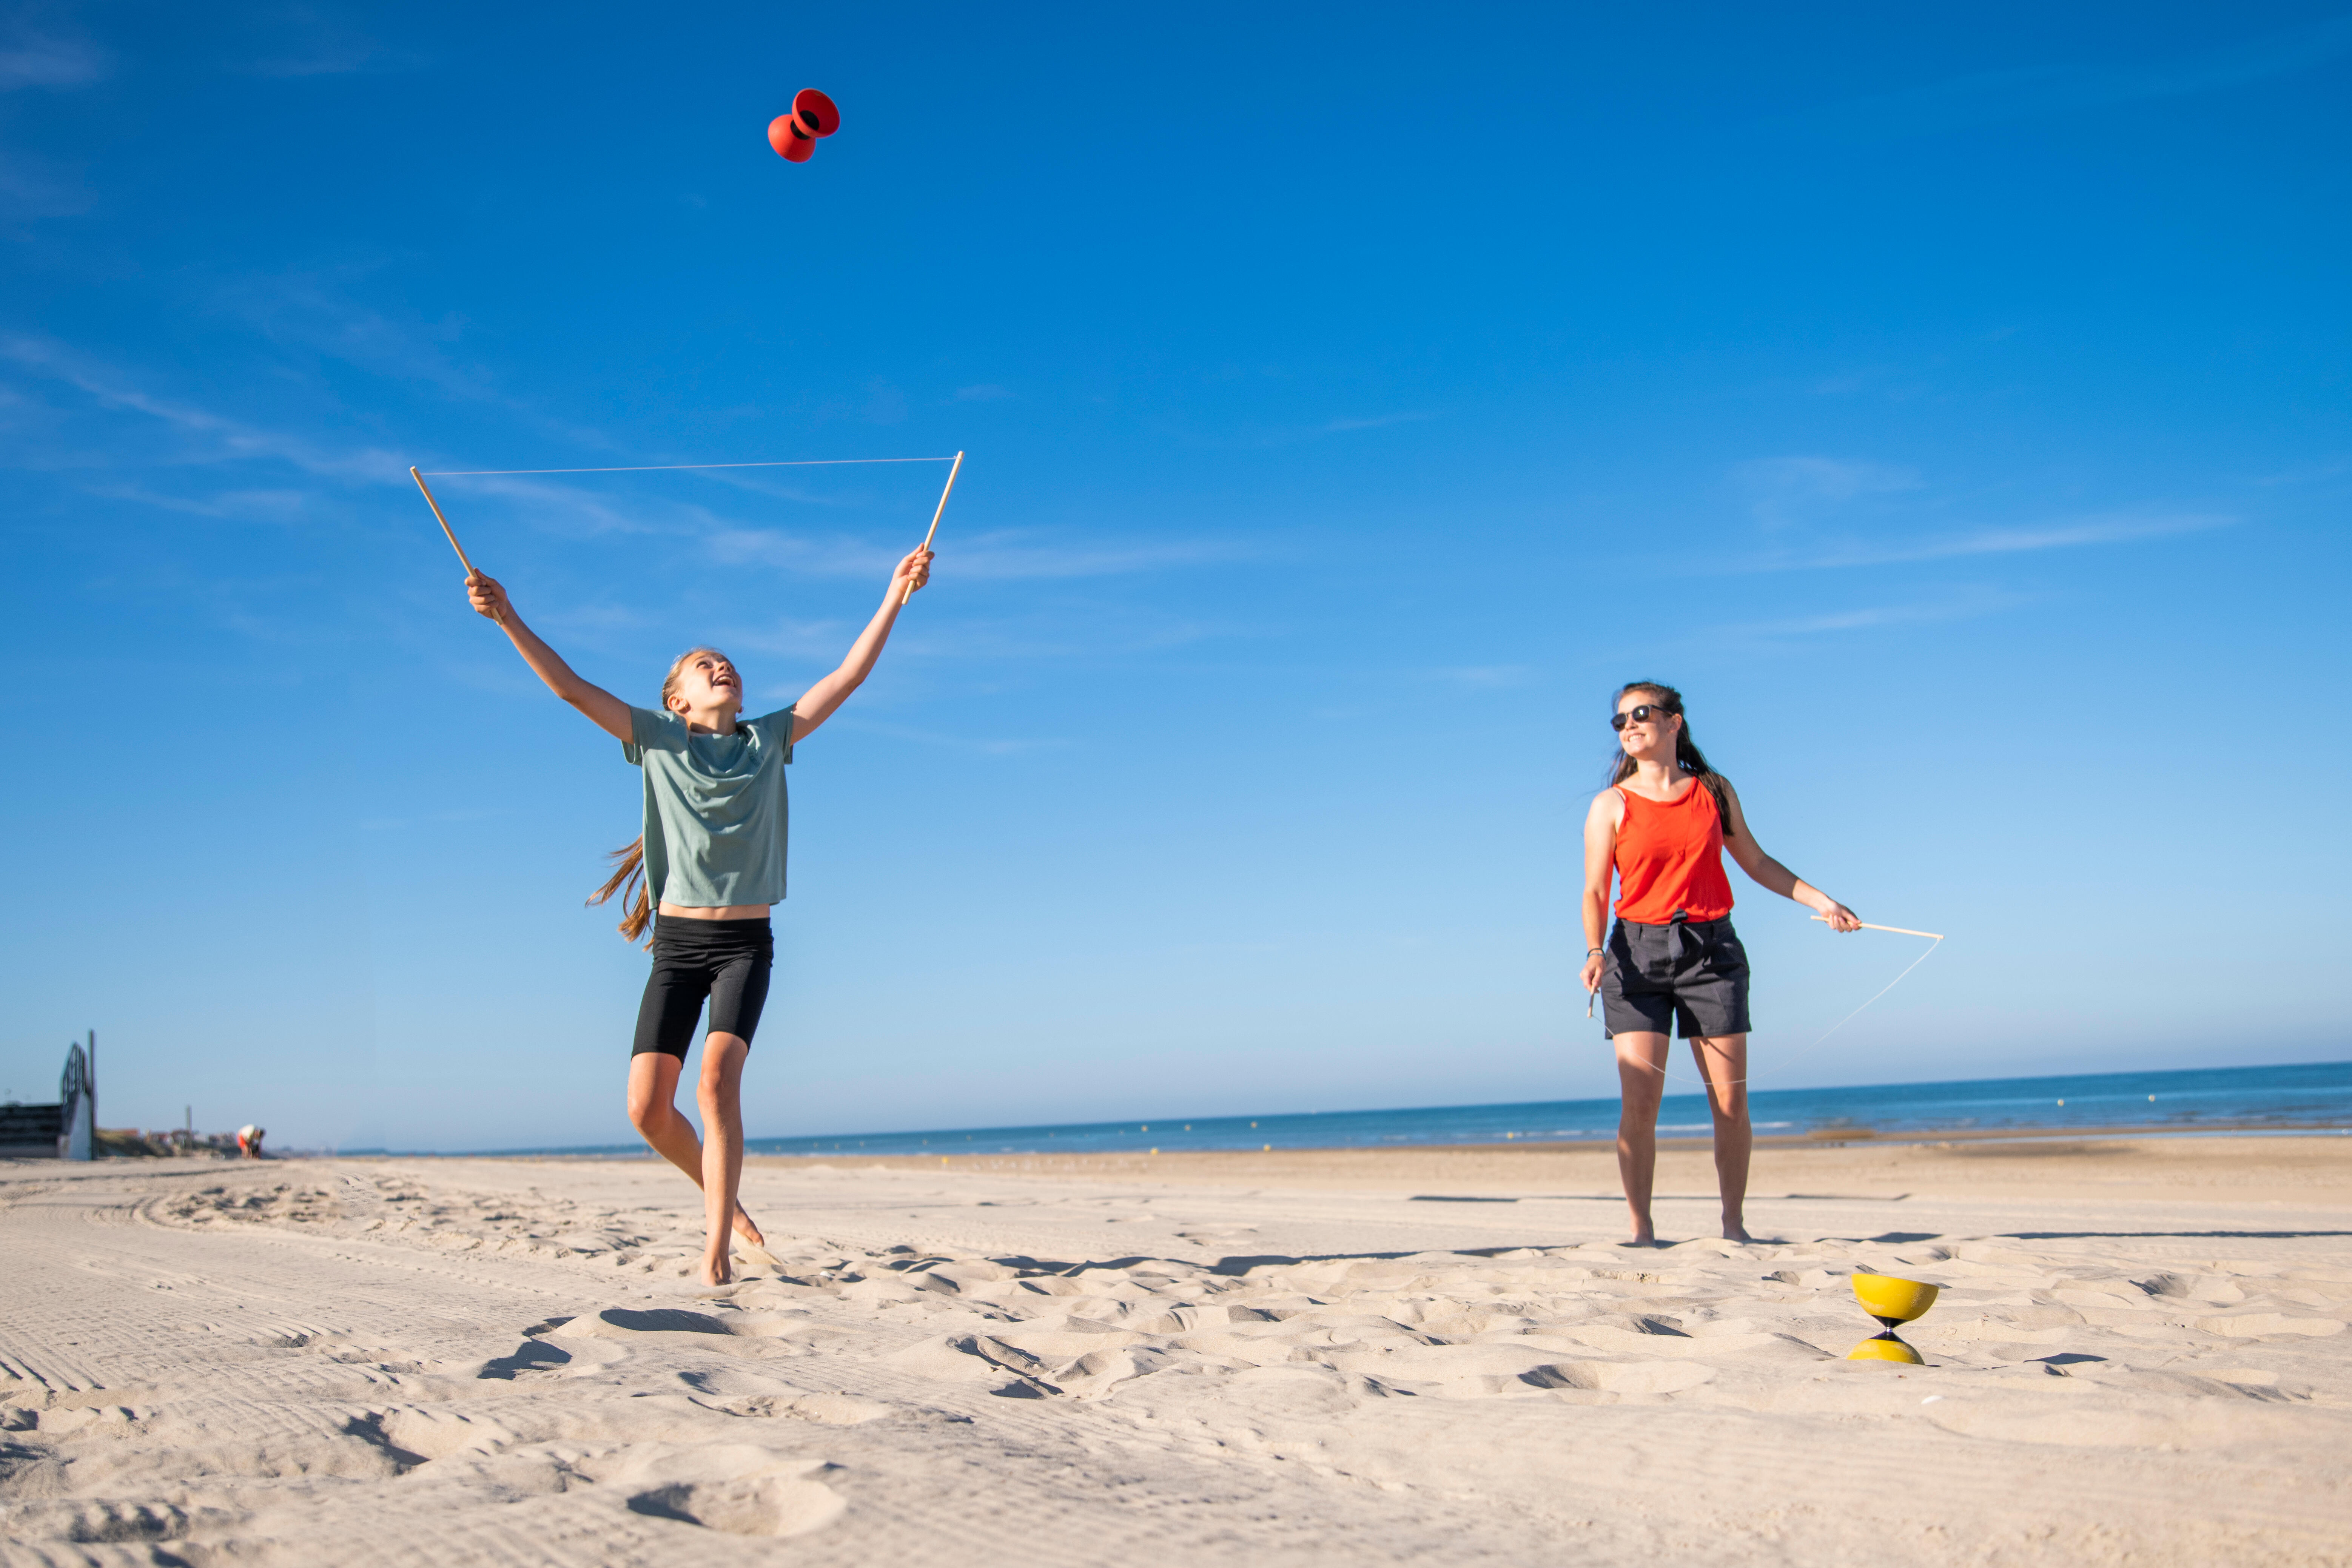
[{"x": 1661, "y": 829}]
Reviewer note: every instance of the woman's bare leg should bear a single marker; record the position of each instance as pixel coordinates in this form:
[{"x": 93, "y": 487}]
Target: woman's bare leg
[
  {"x": 720, "y": 1096},
  {"x": 652, "y": 1111},
  {"x": 1642, "y": 1081},
  {"x": 1723, "y": 1063}
]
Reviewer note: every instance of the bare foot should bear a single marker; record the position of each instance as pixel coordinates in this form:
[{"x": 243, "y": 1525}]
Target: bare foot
[
  {"x": 1643, "y": 1236},
  {"x": 717, "y": 1269},
  {"x": 1734, "y": 1231},
  {"x": 747, "y": 1230}
]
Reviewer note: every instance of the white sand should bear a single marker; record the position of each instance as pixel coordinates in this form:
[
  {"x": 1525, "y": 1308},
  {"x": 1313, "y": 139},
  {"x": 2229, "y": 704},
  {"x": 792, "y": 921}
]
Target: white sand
[{"x": 470, "y": 1363}]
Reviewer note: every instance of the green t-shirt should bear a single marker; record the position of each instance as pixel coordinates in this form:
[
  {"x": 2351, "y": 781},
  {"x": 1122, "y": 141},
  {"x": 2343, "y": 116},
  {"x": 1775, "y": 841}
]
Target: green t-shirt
[{"x": 716, "y": 816}]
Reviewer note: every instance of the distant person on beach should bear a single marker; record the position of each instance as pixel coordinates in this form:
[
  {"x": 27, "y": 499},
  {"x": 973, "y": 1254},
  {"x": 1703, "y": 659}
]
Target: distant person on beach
[
  {"x": 249, "y": 1141},
  {"x": 1660, "y": 829},
  {"x": 710, "y": 860}
]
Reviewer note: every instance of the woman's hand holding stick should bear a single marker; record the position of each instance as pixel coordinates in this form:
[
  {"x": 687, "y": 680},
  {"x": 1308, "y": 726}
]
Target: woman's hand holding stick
[
  {"x": 1837, "y": 916},
  {"x": 1866, "y": 925}
]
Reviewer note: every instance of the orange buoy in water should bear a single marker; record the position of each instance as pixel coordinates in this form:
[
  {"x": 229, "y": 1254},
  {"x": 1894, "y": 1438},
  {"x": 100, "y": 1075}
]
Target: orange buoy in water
[{"x": 793, "y": 135}]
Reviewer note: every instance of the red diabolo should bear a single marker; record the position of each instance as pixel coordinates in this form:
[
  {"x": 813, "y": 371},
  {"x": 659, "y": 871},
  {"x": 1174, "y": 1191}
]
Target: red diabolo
[{"x": 793, "y": 135}]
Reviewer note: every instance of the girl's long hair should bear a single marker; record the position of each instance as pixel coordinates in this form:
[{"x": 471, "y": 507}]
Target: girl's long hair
[
  {"x": 628, "y": 878},
  {"x": 1687, "y": 756}
]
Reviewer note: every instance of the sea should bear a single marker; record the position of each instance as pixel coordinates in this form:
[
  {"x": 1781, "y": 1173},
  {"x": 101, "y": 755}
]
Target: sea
[{"x": 2303, "y": 1096}]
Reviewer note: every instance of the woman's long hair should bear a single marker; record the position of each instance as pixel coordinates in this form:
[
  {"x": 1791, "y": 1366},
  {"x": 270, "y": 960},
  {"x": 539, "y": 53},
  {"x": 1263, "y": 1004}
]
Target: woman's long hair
[
  {"x": 1687, "y": 756},
  {"x": 628, "y": 876}
]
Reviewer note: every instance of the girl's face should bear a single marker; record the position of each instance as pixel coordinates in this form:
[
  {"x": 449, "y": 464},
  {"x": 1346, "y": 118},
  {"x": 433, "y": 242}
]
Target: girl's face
[
  {"x": 709, "y": 683},
  {"x": 1645, "y": 728}
]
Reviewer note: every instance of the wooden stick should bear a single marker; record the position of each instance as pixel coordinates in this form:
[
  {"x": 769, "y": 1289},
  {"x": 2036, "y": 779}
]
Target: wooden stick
[
  {"x": 954, "y": 469},
  {"x": 442, "y": 521},
  {"x": 1898, "y": 930}
]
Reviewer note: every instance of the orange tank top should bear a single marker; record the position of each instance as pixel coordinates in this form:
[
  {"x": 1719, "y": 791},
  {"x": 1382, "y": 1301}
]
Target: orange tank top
[{"x": 1670, "y": 857}]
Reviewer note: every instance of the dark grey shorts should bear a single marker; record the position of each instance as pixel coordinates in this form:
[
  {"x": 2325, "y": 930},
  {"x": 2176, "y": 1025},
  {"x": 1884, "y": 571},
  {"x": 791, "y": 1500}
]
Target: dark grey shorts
[{"x": 1692, "y": 973}]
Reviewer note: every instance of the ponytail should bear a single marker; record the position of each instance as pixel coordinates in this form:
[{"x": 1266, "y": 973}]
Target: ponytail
[
  {"x": 628, "y": 875},
  {"x": 629, "y": 859},
  {"x": 1688, "y": 758}
]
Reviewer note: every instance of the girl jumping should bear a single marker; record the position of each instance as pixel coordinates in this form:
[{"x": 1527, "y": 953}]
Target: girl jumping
[
  {"x": 1661, "y": 828},
  {"x": 711, "y": 860}
]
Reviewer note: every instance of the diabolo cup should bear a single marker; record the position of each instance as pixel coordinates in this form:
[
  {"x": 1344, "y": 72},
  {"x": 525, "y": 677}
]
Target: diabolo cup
[{"x": 1891, "y": 1302}]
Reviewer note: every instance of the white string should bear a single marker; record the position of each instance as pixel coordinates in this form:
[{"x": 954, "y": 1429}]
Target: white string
[
  {"x": 1667, "y": 1069},
  {"x": 1882, "y": 991},
  {"x": 673, "y": 468}
]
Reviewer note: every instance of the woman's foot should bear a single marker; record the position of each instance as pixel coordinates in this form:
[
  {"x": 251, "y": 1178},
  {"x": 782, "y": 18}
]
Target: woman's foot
[
  {"x": 717, "y": 1269},
  {"x": 1734, "y": 1231},
  {"x": 747, "y": 1230},
  {"x": 1644, "y": 1235}
]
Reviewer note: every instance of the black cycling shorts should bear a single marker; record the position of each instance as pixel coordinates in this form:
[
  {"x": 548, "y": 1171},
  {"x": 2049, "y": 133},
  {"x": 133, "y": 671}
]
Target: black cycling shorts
[
  {"x": 1691, "y": 973},
  {"x": 726, "y": 960}
]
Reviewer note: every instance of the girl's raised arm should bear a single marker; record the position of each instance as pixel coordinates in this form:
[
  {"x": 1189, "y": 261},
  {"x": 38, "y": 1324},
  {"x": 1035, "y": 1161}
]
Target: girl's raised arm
[
  {"x": 608, "y": 713},
  {"x": 818, "y": 702}
]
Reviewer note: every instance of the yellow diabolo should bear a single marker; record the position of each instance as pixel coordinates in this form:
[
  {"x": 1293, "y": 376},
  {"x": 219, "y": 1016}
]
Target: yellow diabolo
[{"x": 1891, "y": 1302}]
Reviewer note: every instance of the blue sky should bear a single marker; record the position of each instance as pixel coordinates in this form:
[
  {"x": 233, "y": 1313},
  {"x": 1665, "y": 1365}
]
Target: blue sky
[{"x": 1954, "y": 404}]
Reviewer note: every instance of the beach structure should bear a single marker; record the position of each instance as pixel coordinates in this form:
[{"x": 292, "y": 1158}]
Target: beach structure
[
  {"x": 77, "y": 1113},
  {"x": 29, "y": 1131},
  {"x": 65, "y": 1129}
]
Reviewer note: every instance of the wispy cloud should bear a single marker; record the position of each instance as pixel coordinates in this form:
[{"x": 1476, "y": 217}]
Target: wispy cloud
[
  {"x": 1009, "y": 554},
  {"x": 1969, "y": 604},
  {"x": 1258, "y": 438},
  {"x": 571, "y": 511},
  {"x": 1003, "y": 555},
  {"x": 34, "y": 187},
  {"x": 598, "y": 619},
  {"x": 976, "y": 746},
  {"x": 38, "y": 60},
  {"x": 2314, "y": 473},
  {"x": 314, "y": 43},
  {"x": 241, "y": 505},
  {"x": 1095, "y": 636},
  {"x": 1991, "y": 95},
  {"x": 1484, "y": 676},
  {"x": 819, "y": 556},
  {"x": 1829, "y": 512},
  {"x": 311, "y": 311},
  {"x": 796, "y": 638},
  {"x": 885, "y": 404},
  {"x": 2070, "y": 534},
  {"x": 1376, "y": 422},
  {"x": 206, "y": 436},
  {"x": 1782, "y": 490},
  {"x": 948, "y": 636}
]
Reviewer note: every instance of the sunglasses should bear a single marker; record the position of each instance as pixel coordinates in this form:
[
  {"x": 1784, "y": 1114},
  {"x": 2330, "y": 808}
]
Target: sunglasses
[{"x": 1639, "y": 715}]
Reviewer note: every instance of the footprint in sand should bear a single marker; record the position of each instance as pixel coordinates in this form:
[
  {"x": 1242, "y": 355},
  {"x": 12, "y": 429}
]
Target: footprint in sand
[
  {"x": 736, "y": 1489},
  {"x": 1622, "y": 1376}
]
